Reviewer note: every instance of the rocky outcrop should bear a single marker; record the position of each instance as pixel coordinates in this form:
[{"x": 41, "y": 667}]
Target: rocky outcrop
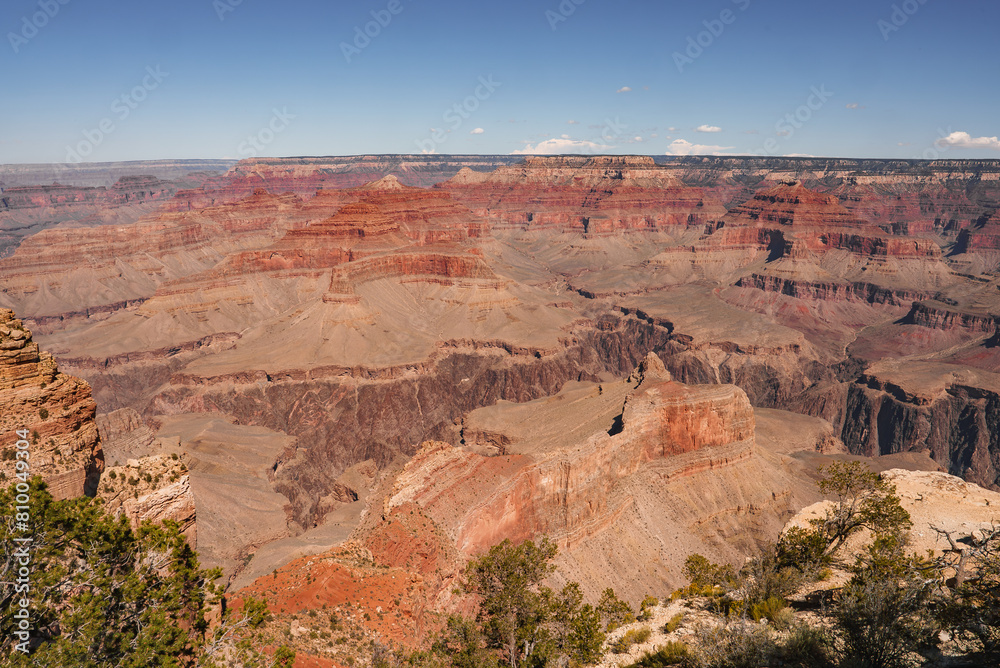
[
  {"x": 934, "y": 500},
  {"x": 937, "y": 315},
  {"x": 152, "y": 489},
  {"x": 831, "y": 291},
  {"x": 589, "y": 465},
  {"x": 54, "y": 412}
]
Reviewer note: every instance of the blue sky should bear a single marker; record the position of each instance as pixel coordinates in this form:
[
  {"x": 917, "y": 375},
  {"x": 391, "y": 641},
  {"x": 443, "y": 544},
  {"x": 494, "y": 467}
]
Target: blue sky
[{"x": 97, "y": 80}]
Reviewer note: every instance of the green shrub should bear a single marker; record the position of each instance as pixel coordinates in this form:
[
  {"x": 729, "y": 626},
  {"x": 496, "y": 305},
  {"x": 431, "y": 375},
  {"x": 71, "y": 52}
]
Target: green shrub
[
  {"x": 43, "y": 413},
  {"x": 670, "y": 654},
  {"x": 772, "y": 609},
  {"x": 646, "y": 608},
  {"x": 700, "y": 571},
  {"x": 614, "y": 611},
  {"x": 629, "y": 638},
  {"x": 673, "y": 623}
]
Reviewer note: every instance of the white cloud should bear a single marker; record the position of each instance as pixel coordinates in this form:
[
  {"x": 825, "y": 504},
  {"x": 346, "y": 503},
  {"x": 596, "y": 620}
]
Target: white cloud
[
  {"x": 903, "y": 143},
  {"x": 671, "y": 129},
  {"x": 708, "y": 128},
  {"x": 477, "y": 131},
  {"x": 965, "y": 140},
  {"x": 556, "y": 146},
  {"x": 684, "y": 147},
  {"x": 624, "y": 89},
  {"x": 573, "y": 122},
  {"x": 564, "y": 136},
  {"x": 852, "y": 105}
]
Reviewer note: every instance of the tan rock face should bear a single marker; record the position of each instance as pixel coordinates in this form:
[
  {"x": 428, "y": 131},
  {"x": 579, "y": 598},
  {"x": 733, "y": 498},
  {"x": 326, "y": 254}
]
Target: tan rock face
[
  {"x": 151, "y": 489},
  {"x": 124, "y": 436},
  {"x": 56, "y": 410}
]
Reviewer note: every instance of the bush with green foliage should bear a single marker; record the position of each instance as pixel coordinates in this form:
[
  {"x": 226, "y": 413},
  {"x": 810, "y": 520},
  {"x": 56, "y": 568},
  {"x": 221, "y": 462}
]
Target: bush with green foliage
[
  {"x": 674, "y": 623},
  {"x": 104, "y": 595},
  {"x": 807, "y": 647},
  {"x": 774, "y": 610},
  {"x": 670, "y": 654},
  {"x": 738, "y": 644},
  {"x": 100, "y": 593},
  {"x": 614, "y": 611},
  {"x": 884, "y": 613},
  {"x": 528, "y": 623},
  {"x": 646, "y": 608},
  {"x": 629, "y": 638}
]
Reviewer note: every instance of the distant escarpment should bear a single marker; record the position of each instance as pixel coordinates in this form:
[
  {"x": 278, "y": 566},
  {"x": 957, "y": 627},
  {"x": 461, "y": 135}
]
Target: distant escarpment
[
  {"x": 50, "y": 410},
  {"x": 915, "y": 406},
  {"x": 599, "y": 195},
  {"x": 28, "y": 209}
]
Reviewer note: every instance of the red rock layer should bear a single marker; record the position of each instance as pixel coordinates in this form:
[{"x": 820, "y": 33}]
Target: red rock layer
[
  {"x": 936, "y": 315},
  {"x": 596, "y": 195},
  {"x": 984, "y": 236},
  {"x": 791, "y": 220},
  {"x": 832, "y": 291}
]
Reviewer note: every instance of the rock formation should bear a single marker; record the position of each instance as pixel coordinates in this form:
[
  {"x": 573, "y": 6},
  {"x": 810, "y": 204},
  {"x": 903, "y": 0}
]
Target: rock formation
[
  {"x": 293, "y": 319},
  {"x": 596, "y": 465},
  {"x": 151, "y": 489},
  {"x": 53, "y": 411}
]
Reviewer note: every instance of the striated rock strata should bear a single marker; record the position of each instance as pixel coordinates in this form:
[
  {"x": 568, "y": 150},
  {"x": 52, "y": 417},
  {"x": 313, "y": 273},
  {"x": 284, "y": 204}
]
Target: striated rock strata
[{"x": 56, "y": 411}]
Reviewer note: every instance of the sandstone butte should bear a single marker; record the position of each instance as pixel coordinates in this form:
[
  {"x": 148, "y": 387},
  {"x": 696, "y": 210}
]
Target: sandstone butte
[{"x": 365, "y": 375}]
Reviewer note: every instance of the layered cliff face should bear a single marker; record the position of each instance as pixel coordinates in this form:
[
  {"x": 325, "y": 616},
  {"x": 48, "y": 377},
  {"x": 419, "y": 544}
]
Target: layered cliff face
[
  {"x": 912, "y": 406},
  {"x": 54, "y": 412},
  {"x": 593, "y": 465},
  {"x": 28, "y": 209},
  {"x": 598, "y": 195}
]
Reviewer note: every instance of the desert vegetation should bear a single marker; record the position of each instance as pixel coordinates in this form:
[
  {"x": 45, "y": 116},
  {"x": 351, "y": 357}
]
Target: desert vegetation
[
  {"x": 843, "y": 591},
  {"x": 102, "y": 594}
]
